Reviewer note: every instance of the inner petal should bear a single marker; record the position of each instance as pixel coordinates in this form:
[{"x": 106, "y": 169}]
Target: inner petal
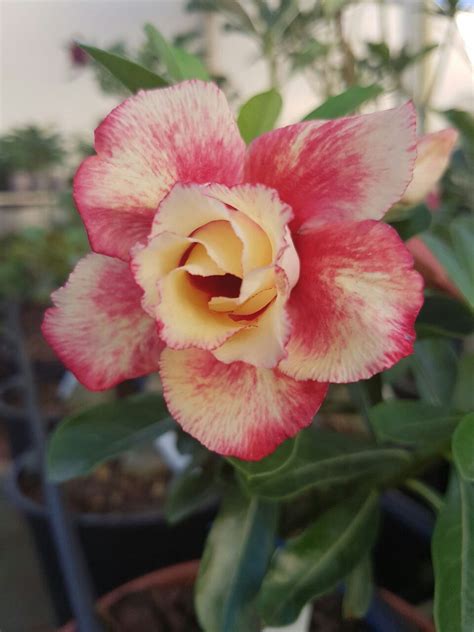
[
  {"x": 257, "y": 249},
  {"x": 226, "y": 285},
  {"x": 220, "y": 240},
  {"x": 256, "y": 292}
]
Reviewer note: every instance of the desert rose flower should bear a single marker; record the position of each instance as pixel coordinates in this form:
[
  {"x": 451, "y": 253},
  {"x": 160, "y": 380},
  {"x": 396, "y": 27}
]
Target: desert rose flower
[{"x": 250, "y": 278}]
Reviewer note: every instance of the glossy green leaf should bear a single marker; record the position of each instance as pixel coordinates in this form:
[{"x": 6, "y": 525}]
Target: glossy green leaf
[
  {"x": 345, "y": 103},
  {"x": 453, "y": 559},
  {"x": 464, "y": 121},
  {"x": 235, "y": 559},
  {"x": 164, "y": 51},
  {"x": 434, "y": 366},
  {"x": 463, "y": 448},
  {"x": 320, "y": 459},
  {"x": 418, "y": 221},
  {"x": 359, "y": 590},
  {"x": 192, "y": 490},
  {"x": 86, "y": 439},
  {"x": 179, "y": 63},
  {"x": 321, "y": 556},
  {"x": 412, "y": 423},
  {"x": 259, "y": 114},
  {"x": 464, "y": 390},
  {"x": 365, "y": 394},
  {"x": 455, "y": 255},
  {"x": 131, "y": 75},
  {"x": 444, "y": 316}
]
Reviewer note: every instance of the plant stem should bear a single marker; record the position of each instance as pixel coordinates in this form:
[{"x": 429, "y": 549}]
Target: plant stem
[{"x": 427, "y": 493}]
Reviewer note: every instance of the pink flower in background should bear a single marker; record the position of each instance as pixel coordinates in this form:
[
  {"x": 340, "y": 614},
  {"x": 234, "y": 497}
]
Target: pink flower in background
[
  {"x": 433, "y": 154},
  {"x": 249, "y": 277}
]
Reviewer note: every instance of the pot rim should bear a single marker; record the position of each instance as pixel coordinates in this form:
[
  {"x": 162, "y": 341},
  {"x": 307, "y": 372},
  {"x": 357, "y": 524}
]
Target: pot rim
[
  {"x": 186, "y": 572},
  {"x": 180, "y": 574}
]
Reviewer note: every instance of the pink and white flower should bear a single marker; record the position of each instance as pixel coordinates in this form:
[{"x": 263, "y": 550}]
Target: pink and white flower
[{"x": 249, "y": 277}]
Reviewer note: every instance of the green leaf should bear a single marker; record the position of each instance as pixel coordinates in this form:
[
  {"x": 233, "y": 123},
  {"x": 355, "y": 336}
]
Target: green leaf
[
  {"x": 191, "y": 67},
  {"x": 359, "y": 590},
  {"x": 314, "y": 562},
  {"x": 86, "y": 439},
  {"x": 418, "y": 221},
  {"x": 259, "y": 114},
  {"x": 412, "y": 423},
  {"x": 365, "y": 394},
  {"x": 179, "y": 63},
  {"x": 164, "y": 51},
  {"x": 235, "y": 559},
  {"x": 453, "y": 559},
  {"x": 234, "y": 9},
  {"x": 463, "y": 449},
  {"x": 434, "y": 366},
  {"x": 320, "y": 459},
  {"x": 464, "y": 391},
  {"x": 191, "y": 491},
  {"x": 131, "y": 75},
  {"x": 444, "y": 316},
  {"x": 464, "y": 122},
  {"x": 345, "y": 103},
  {"x": 455, "y": 255}
]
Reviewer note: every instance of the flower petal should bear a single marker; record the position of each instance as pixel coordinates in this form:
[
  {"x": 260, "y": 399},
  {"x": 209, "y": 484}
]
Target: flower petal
[
  {"x": 354, "y": 308},
  {"x": 433, "y": 153},
  {"x": 148, "y": 143},
  {"x": 98, "y": 328},
  {"x": 184, "y": 315},
  {"x": 236, "y": 409},
  {"x": 351, "y": 168},
  {"x": 263, "y": 343}
]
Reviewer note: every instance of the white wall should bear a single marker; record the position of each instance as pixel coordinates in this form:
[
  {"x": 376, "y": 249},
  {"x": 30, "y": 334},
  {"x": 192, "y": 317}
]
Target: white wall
[{"x": 37, "y": 83}]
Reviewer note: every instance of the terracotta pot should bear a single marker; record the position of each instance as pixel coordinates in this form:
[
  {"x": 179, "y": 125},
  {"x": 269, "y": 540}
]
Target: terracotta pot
[
  {"x": 171, "y": 576},
  {"x": 407, "y": 611},
  {"x": 186, "y": 573}
]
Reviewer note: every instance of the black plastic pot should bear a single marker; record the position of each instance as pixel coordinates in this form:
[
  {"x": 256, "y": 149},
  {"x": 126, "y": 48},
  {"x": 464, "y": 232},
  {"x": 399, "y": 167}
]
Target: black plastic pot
[{"x": 116, "y": 547}]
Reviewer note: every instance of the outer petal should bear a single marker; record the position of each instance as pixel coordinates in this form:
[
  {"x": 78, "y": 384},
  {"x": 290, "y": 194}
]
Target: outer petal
[
  {"x": 434, "y": 151},
  {"x": 98, "y": 328},
  {"x": 351, "y": 168},
  {"x": 236, "y": 409},
  {"x": 354, "y": 307},
  {"x": 185, "y": 133}
]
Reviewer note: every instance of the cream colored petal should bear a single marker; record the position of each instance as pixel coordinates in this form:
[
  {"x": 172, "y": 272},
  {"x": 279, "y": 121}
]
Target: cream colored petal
[
  {"x": 220, "y": 239},
  {"x": 260, "y": 204},
  {"x": 255, "y": 282},
  {"x": 185, "y": 318},
  {"x": 185, "y": 209},
  {"x": 257, "y": 249},
  {"x": 161, "y": 255},
  {"x": 263, "y": 344}
]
